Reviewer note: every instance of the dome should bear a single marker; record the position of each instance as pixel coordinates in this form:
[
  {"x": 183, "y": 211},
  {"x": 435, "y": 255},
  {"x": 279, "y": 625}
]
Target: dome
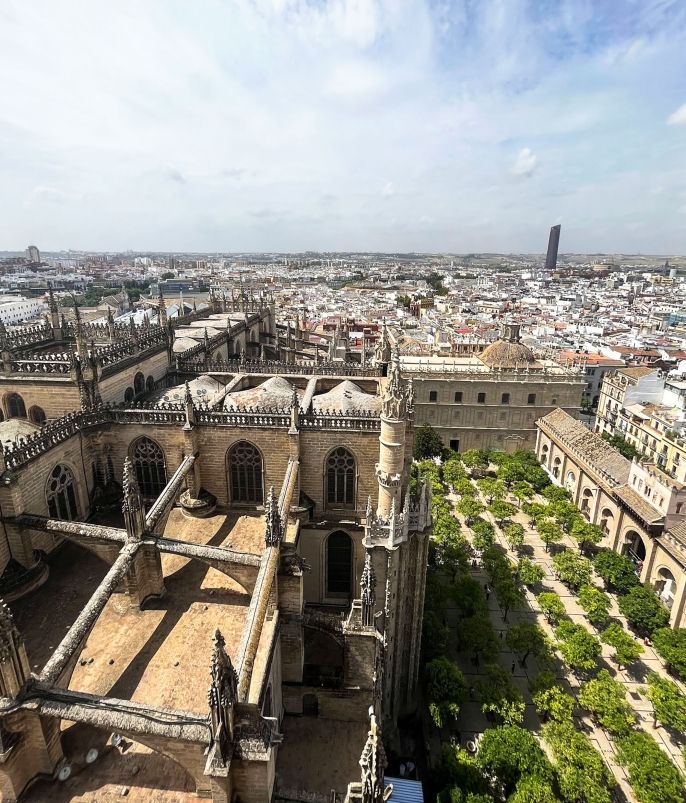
[
  {"x": 505, "y": 354},
  {"x": 276, "y": 392},
  {"x": 348, "y": 397}
]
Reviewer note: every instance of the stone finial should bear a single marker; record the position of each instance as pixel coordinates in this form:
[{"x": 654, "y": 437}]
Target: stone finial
[
  {"x": 161, "y": 307},
  {"x": 3, "y": 335},
  {"x": 188, "y": 396},
  {"x": 52, "y": 301},
  {"x": 274, "y": 528},
  {"x": 110, "y": 317},
  {"x": 9, "y": 634},
  {"x": 373, "y": 765},
  {"x": 221, "y": 697},
  {"x": 369, "y": 514},
  {"x": 132, "y": 505},
  {"x": 367, "y": 591}
]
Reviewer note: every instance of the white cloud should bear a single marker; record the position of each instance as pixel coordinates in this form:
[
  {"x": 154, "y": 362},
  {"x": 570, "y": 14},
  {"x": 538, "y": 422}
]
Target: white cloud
[
  {"x": 678, "y": 117},
  {"x": 388, "y": 189},
  {"x": 525, "y": 163}
]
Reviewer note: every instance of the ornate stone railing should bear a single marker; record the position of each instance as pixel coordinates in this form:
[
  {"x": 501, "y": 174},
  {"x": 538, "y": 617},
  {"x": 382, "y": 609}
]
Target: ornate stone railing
[
  {"x": 184, "y": 365},
  {"x": 47, "y": 364},
  {"x": 25, "y": 336},
  {"x": 242, "y": 418},
  {"x": 361, "y": 419}
]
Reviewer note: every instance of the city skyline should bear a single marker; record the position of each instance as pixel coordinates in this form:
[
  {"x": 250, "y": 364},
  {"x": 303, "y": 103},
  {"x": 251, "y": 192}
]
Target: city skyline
[{"x": 344, "y": 126}]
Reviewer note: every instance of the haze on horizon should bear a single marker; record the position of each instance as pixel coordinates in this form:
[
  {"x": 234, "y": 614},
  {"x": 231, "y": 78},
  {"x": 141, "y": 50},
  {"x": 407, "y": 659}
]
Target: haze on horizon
[{"x": 343, "y": 125}]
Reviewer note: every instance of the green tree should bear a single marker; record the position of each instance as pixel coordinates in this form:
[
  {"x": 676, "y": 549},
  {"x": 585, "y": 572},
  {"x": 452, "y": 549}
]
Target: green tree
[
  {"x": 509, "y": 754},
  {"x": 508, "y": 594},
  {"x": 554, "y": 704},
  {"x": 552, "y": 606},
  {"x": 475, "y": 458},
  {"x": 574, "y": 570},
  {"x": 605, "y": 698},
  {"x": 522, "y": 491},
  {"x": 627, "y": 649},
  {"x": 484, "y": 534},
  {"x": 566, "y": 515},
  {"x": 579, "y": 648},
  {"x": 512, "y": 472},
  {"x": 467, "y": 595},
  {"x": 586, "y": 534},
  {"x": 530, "y": 573},
  {"x": 671, "y": 647},
  {"x": 514, "y": 535},
  {"x": 550, "y": 532},
  {"x": 445, "y": 690},
  {"x": 554, "y": 493},
  {"x": 491, "y": 488},
  {"x": 536, "y": 512},
  {"x": 669, "y": 704},
  {"x": 169, "y": 274},
  {"x": 475, "y": 634},
  {"x": 617, "y": 571},
  {"x": 643, "y": 609},
  {"x": 526, "y": 638},
  {"x": 595, "y": 603},
  {"x": 652, "y": 775},
  {"x": 533, "y": 790},
  {"x": 464, "y": 488},
  {"x": 501, "y": 510},
  {"x": 453, "y": 471},
  {"x": 457, "y": 770},
  {"x": 451, "y": 554},
  {"x": 621, "y": 445},
  {"x": 583, "y": 776},
  {"x": 427, "y": 443},
  {"x": 499, "y": 696},
  {"x": 469, "y": 508}
]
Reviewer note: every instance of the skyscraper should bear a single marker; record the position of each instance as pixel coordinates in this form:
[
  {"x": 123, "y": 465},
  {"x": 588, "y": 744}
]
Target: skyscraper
[
  {"x": 33, "y": 254},
  {"x": 553, "y": 243}
]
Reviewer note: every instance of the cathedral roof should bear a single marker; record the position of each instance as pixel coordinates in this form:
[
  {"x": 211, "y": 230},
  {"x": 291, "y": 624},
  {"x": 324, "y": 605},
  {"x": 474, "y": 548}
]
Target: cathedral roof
[
  {"x": 16, "y": 428},
  {"x": 348, "y": 397},
  {"x": 202, "y": 390},
  {"x": 181, "y": 344},
  {"x": 276, "y": 392},
  {"x": 505, "y": 354}
]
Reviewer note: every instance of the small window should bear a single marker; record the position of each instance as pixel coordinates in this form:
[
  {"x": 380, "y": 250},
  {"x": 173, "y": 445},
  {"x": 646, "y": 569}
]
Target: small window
[
  {"x": 505, "y": 398},
  {"x": 554, "y": 401},
  {"x": 458, "y": 396},
  {"x": 531, "y": 398},
  {"x": 455, "y": 445},
  {"x": 481, "y": 398},
  {"x": 433, "y": 395},
  {"x": 15, "y": 406}
]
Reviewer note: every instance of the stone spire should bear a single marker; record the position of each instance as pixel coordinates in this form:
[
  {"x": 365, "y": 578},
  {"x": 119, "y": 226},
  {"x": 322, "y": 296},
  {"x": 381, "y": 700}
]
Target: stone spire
[
  {"x": 133, "y": 332},
  {"x": 132, "y": 506},
  {"x": 367, "y": 591},
  {"x": 52, "y": 301},
  {"x": 395, "y": 396},
  {"x": 190, "y": 408},
  {"x": 14, "y": 665},
  {"x": 110, "y": 324},
  {"x": 373, "y": 765},
  {"x": 221, "y": 697},
  {"x": 382, "y": 353},
  {"x": 295, "y": 410},
  {"x": 274, "y": 528},
  {"x": 161, "y": 307}
]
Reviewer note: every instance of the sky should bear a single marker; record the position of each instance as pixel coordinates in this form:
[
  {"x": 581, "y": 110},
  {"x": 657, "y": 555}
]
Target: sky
[{"x": 374, "y": 125}]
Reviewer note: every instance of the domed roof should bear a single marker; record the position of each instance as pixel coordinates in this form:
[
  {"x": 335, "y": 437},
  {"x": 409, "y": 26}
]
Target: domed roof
[
  {"x": 346, "y": 396},
  {"x": 276, "y": 392},
  {"x": 505, "y": 354}
]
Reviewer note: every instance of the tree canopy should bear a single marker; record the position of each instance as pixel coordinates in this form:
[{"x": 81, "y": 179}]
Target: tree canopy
[
  {"x": 605, "y": 698},
  {"x": 511, "y": 753},
  {"x": 583, "y": 776},
  {"x": 579, "y": 647},
  {"x": 552, "y": 606},
  {"x": 669, "y": 704},
  {"x": 427, "y": 443},
  {"x": 617, "y": 571},
  {"x": 525, "y": 638},
  {"x": 499, "y": 695},
  {"x": 530, "y": 573},
  {"x": 445, "y": 690},
  {"x": 627, "y": 649},
  {"x": 643, "y": 609},
  {"x": 595, "y": 603},
  {"x": 671, "y": 647},
  {"x": 574, "y": 570},
  {"x": 652, "y": 775}
]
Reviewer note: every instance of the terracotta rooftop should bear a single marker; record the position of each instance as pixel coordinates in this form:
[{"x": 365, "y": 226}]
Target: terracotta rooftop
[
  {"x": 637, "y": 372},
  {"x": 640, "y": 506},
  {"x": 591, "y": 447}
]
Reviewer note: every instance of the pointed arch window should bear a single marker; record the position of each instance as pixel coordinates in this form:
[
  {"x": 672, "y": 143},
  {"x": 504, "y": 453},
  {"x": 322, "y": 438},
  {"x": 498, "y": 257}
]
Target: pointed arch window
[
  {"x": 15, "y": 406},
  {"x": 148, "y": 463},
  {"x": 245, "y": 472},
  {"x": 339, "y": 564},
  {"x": 340, "y": 478},
  {"x": 60, "y": 494},
  {"x": 138, "y": 383}
]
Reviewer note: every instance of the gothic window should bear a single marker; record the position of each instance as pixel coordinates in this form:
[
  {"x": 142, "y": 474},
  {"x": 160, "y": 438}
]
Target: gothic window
[
  {"x": 61, "y": 494},
  {"x": 138, "y": 383},
  {"x": 149, "y": 384},
  {"x": 148, "y": 463},
  {"x": 128, "y": 395},
  {"x": 340, "y": 478},
  {"x": 245, "y": 471},
  {"x": 339, "y": 564},
  {"x": 15, "y": 406},
  {"x": 36, "y": 415}
]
